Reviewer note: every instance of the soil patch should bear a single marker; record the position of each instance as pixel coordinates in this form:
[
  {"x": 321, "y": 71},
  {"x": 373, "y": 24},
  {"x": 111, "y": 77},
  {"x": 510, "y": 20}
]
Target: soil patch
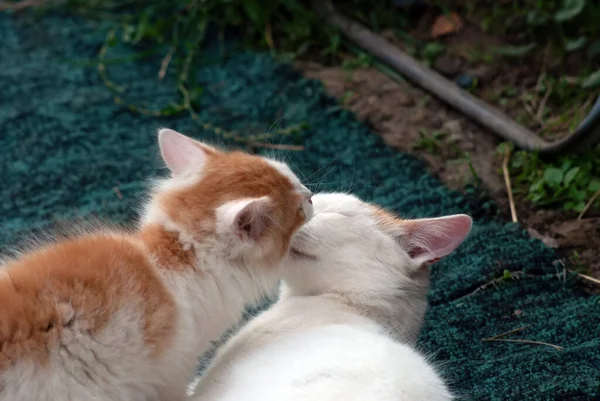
[{"x": 456, "y": 150}]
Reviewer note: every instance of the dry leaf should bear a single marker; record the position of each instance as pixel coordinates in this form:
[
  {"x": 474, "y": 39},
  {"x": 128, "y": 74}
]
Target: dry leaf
[{"x": 445, "y": 25}]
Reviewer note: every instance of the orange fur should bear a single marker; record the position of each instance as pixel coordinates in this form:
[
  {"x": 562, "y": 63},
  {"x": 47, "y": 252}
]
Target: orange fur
[
  {"x": 385, "y": 219},
  {"x": 230, "y": 176},
  {"x": 89, "y": 276},
  {"x": 165, "y": 248}
]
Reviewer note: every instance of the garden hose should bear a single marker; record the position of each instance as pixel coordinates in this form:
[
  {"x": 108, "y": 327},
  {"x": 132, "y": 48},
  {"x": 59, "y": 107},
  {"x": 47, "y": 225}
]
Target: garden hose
[{"x": 497, "y": 122}]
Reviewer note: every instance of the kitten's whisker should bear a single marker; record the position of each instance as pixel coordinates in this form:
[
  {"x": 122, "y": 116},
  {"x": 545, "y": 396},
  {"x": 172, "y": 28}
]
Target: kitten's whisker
[
  {"x": 321, "y": 168},
  {"x": 353, "y": 174}
]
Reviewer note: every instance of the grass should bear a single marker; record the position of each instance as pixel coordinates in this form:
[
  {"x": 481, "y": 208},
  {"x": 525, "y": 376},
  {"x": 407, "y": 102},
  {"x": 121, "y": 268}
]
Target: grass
[
  {"x": 548, "y": 33},
  {"x": 568, "y": 182}
]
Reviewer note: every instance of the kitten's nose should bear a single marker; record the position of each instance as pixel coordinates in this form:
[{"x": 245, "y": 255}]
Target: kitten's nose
[{"x": 309, "y": 197}]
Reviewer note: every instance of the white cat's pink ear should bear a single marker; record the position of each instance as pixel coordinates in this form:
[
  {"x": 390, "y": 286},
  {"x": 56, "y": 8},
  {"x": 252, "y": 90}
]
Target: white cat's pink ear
[
  {"x": 181, "y": 153},
  {"x": 428, "y": 240},
  {"x": 253, "y": 220}
]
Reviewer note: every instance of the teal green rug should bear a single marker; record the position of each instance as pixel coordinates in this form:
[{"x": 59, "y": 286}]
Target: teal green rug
[{"x": 67, "y": 151}]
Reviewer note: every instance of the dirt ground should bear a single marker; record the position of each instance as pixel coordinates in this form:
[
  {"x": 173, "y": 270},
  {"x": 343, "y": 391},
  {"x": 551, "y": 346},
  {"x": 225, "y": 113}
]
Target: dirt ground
[{"x": 406, "y": 116}]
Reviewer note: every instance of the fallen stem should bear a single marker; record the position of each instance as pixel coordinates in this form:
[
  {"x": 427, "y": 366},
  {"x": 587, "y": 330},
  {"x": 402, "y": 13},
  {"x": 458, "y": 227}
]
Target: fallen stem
[
  {"x": 493, "y": 283},
  {"x": 556, "y": 347},
  {"x": 588, "y": 205},
  {"x": 508, "y": 333},
  {"x": 269, "y": 36},
  {"x": 542, "y": 107},
  {"x": 22, "y": 5},
  {"x": 164, "y": 65},
  {"x": 589, "y": 278},
  {"x": 511, "y": 201},
  {"x": 110, "y": 36}
]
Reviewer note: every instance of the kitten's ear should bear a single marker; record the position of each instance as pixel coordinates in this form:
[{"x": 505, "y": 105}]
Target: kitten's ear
[
  {"x": 252, "y": 221},
  {"x": 181, "y": 153},
  {"x": 428, "y": 240}
]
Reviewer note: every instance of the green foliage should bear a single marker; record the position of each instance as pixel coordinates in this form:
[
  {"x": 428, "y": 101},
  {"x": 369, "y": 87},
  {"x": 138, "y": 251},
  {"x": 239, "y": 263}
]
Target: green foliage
[
  {"x": 515, "y": 51},
  {"x": 289, "y": 24},
  {"x": 569, "y": 182},
  {"x": 431, "y": 142},
  {"x": 431, "y": 51},
  {"x": 565, "y": 25}
]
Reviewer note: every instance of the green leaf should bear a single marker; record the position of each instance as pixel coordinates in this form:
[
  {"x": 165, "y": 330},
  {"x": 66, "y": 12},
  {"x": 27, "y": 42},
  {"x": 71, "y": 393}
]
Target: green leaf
[
  {"x": 592, "y": 80},
  {"x": 579, "y": 206},
  {"x": 536, "y": 18},
  {"x": 432, "y": 50},
  {"x": 569, "y": 206},
  {"x": 506, "y": 274},
  {"x": 537, "y": 197},
  {"x": 571, "y": 174},
  {"x": 570, "y": 9},
  {"x": 579, "y": 195},
  {"x": 575, "y": 44},
  {"x": 536, "y": 186},
  {"x": 553, "y": 176},
  {"x": 594, "y": 185},
  {"x": 515, "y": 51},
  {"x": 256, "y": 12}
]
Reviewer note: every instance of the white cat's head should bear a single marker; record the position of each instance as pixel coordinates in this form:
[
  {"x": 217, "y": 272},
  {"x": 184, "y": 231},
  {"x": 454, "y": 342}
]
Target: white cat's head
[
  {"x": 368, "y": 255},
  {"x": 247, "y": 207}
]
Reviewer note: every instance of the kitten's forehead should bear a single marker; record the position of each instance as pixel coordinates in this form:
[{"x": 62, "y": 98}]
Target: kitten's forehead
[
  {"x": 284, "y": 170},
  {"x": 345, "y": 204}
]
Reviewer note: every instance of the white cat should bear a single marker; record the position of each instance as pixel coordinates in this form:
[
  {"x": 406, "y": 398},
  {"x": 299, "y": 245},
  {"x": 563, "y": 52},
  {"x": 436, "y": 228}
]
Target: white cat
[{"x": 350, "y": 308}]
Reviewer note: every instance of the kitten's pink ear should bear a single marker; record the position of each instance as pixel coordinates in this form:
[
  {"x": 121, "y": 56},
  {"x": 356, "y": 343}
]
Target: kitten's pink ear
[
  {"x": 181, "y": 153},
  {"x": 428, "y": 240},
  {"x": 252, "y": 221}
]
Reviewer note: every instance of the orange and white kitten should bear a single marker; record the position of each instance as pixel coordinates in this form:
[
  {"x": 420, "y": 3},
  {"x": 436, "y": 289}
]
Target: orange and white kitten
[{"x": 116, "y": 315}]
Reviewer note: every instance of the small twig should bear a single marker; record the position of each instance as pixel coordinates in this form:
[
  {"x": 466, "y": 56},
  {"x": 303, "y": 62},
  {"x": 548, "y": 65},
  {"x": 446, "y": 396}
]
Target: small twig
[
  {"x": 542, "y": 106},
  {"x": 592, "y": 279},
  {"x": 508, "y": 333},
  {"x": 556, "y": 347},
  {"x": 110, "y": 36},
  {"x": 542, "y": 75},
  {"x": 117, "y": 192},
  {"x": 275, "y": 146},
  {"x": 511, "y": 201},
  {"x": 269, "y": 36},
  {"x": 588, "y": 205},
  {"x": 164, "y": 65},
  {"x": 533, "y": 115},
  {"x": 22, "y": 5},
  {"x": 493, "y": 283}
]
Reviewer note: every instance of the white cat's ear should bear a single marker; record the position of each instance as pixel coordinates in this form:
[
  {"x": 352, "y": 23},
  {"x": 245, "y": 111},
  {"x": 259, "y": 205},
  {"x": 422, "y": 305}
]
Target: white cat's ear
[
  {"x": 428, "y": 240},
  {"x": 252, "y": 220},
  {"x": 181, "y": 153}
]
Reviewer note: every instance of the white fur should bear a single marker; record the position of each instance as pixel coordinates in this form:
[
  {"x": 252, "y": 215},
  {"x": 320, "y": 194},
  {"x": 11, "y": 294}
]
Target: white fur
[{"x": 345, "y": 323}]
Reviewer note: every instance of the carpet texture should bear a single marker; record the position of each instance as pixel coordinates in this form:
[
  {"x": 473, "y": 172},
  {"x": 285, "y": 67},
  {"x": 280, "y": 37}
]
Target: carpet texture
[{"x": 68, "y": 151}]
